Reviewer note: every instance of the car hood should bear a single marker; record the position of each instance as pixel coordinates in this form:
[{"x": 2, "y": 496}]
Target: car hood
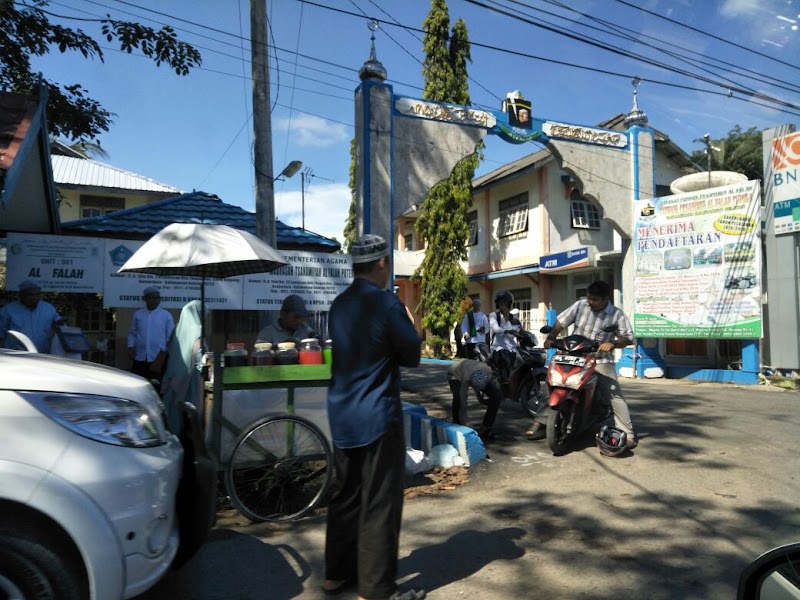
[{"x": 29, "y": 371}]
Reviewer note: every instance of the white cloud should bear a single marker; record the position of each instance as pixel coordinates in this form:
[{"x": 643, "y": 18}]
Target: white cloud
[
  {"x": 738, "y": 8},
  {"x": 310, "y": 130},
  {"x": 326, "y": 207}
]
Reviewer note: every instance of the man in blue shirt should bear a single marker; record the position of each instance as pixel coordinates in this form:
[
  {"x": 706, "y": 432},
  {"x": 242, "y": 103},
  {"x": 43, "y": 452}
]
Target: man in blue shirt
[
  {"x": 29, "y": 315},
  {"x": 372, "y": 338}
]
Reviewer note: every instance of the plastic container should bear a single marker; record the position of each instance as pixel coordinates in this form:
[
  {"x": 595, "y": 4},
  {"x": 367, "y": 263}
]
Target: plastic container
[
  {"x": 327, "y": 352},
  {"x": 310, "y": 352},
  {"x": 235, "y": 355},
  {"x": 262, "y": 354},
  {"x": 287, "y": 354}
]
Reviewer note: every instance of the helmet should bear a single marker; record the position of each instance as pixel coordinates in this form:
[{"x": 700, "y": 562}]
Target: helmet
[
  {"x": 501, "y": 296},
  {"x": 611, "y": 441}
]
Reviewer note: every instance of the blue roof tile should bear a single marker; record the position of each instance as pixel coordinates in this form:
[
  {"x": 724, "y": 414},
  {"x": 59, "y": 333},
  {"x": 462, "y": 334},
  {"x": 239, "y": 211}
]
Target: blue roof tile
[{"x": 195, "y": 207}]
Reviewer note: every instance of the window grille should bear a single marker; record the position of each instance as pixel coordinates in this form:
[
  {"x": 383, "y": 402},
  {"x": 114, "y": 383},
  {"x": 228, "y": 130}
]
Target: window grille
[
  {"x": 513, "y": 215},
  {"x": 472, "y": 219},
  {"x": 95, "y": 206},
  {"x": 584, "y": 214}
]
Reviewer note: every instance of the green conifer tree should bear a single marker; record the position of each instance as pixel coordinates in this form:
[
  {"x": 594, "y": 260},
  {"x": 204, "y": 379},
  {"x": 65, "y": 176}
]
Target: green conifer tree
[
  {"x": 350, "y": 230},
  {"x": 443, "y": 220}
]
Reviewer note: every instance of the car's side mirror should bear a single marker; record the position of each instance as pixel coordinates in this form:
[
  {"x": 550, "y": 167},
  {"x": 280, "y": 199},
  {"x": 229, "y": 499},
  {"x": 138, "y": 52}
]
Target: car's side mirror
[
  {"x": 775, "y": 575},
  {"x": 23, "y": 340}
]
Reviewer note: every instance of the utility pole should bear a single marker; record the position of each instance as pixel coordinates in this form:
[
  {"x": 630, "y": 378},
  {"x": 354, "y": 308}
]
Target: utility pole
[
  {"x": 262, "y": 124},
  {"x": 307, "y": 174}
]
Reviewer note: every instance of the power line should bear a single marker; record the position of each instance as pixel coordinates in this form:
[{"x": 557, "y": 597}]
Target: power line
[
  {"x": 729, "y": 89},
  {"x": 634, "y": 36},
  {"x": 711, "y": 35},
  {"x": 628, "y": 34},
  {"x": 627, "y": 54}
]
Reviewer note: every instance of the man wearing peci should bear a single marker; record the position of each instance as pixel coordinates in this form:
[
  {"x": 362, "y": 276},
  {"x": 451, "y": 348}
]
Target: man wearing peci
[
  {"x": 150, "y": 331},
  {"x": 373, "y": 337}
]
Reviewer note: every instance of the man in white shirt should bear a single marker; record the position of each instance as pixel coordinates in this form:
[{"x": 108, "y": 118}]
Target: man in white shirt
[
  {"x": 504, "y": 328},
  {"x": 475, "y": 327},
  {"x": 150, "y": 331}
]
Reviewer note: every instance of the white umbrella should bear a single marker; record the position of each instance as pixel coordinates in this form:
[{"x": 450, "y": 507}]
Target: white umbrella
[{"x": 201, "y": 250}]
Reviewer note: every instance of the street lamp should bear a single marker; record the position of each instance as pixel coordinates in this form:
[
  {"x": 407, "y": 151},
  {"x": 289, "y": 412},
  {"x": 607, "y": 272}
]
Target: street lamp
[{"x": 289, "y": 170}]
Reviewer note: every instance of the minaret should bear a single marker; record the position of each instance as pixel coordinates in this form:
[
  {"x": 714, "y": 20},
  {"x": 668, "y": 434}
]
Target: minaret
[
  {"x": 636, "y": 117},
  {"x": 372, "y": 70}
]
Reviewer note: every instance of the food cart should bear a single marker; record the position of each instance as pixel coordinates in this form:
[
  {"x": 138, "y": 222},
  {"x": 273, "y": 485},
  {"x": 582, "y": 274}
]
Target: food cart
[{"x": 268, "y": 427}]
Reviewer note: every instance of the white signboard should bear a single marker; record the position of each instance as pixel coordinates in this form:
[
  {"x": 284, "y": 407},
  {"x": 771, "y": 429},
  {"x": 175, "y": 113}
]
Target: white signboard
[
  {"x": 91, "y": 265},
  {"x": 785, "y": 157},
  {"x": 317, "y": 277},
  {"x": 57, "y": 263},
  {"x": 698, "y": 264},
  {"x": 124, "y": 290}
]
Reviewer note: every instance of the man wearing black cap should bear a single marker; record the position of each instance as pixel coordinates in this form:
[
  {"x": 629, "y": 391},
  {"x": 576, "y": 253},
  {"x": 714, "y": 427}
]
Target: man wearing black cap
[
  {"x": 372, "y": 338},
  {"x": 150, "y": 331},
  {"x": 291, "y": 325},
  {"x": 29, "y": 315}
]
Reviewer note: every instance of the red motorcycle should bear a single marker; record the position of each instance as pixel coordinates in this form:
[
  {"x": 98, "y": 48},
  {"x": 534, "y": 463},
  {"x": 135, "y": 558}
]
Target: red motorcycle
[{"x": 572, "y": 381}]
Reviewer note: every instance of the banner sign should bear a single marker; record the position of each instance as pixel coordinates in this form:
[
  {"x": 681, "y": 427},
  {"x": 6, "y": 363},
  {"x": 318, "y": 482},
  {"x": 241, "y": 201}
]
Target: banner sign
[
  {"x": 698, "y": 264},
  {"x": 90, "y": 265},
  {"x": 317, "y": 277},
  {"x": 786, "y": 183},
  {"x": 561, "y": 261},
  {"x": 58, "y": 264}
]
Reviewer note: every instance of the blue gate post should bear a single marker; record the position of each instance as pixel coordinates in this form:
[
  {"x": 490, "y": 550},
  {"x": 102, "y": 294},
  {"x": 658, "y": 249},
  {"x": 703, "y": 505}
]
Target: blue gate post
[
  {"x": 751, "y": 361},
  {"x": 550, "y": 317}
]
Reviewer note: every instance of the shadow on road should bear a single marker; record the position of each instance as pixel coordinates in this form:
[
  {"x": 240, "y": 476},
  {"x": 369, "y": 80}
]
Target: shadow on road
[
  {"x": 467, "y": 553},
  {"x": 232, "y": 560}
]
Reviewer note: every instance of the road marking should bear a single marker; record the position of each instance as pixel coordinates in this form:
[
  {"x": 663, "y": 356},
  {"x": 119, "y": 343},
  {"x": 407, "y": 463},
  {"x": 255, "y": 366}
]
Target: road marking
[{"x": 540, "y": 458}]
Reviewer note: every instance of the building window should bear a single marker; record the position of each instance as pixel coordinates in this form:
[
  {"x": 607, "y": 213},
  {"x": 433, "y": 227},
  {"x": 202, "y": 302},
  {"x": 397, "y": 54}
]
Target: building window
[
  {"x": 584, "y": 214},
  {"x": 513, "y": 215},
  {"x": 522, "y": 301},
  {"x": 408, "y": 241},
  {"x": 472, "y": 219},
  {"x": 95, "y": 206}
]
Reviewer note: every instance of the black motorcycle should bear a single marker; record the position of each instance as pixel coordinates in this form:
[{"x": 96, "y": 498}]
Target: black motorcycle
[{"x": 524, "y": 379}]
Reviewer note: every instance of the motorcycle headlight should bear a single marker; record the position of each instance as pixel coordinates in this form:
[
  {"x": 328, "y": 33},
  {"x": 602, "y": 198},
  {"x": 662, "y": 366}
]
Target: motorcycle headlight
[
  {"x": 574, "y": 380},
  {"x": 102, "y": 418},
  {"x": 556, "y": 378}
]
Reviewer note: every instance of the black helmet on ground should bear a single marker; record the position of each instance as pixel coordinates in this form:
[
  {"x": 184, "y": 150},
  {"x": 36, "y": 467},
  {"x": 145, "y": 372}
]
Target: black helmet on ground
[{"x": 611, "y": 441}]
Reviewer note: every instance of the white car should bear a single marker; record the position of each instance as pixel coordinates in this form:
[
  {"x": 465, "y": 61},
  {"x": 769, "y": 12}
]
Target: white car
[{"x": 95, "y": 493}]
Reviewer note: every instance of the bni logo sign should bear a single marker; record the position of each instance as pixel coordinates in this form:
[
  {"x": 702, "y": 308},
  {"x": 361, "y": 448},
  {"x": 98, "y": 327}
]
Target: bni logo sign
[{"x": 786, "y": 152}]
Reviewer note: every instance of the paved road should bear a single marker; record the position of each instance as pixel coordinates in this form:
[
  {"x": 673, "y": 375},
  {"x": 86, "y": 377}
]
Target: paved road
[{"x": 713, "y": 484}]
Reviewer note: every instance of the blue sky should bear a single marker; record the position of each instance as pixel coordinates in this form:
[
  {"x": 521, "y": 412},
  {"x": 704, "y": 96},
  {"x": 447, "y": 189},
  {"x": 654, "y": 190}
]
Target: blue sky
[{"x": 195, "y": 132}]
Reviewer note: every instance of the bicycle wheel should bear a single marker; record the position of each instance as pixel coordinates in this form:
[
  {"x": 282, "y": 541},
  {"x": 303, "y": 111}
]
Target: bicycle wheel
[{"x": 279, "y": 469}]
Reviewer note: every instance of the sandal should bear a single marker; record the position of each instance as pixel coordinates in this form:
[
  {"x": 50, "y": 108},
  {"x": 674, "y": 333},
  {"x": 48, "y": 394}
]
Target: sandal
[
  {"x": 408, "y": 595},
  {"x": 536, "y": 432},
  {"x": 485, "y": 433},
  {"x": 337, "y": 587}
]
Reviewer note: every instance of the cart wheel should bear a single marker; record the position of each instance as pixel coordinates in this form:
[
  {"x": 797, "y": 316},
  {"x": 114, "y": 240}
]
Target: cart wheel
[{"x": 279, "y": 469}]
